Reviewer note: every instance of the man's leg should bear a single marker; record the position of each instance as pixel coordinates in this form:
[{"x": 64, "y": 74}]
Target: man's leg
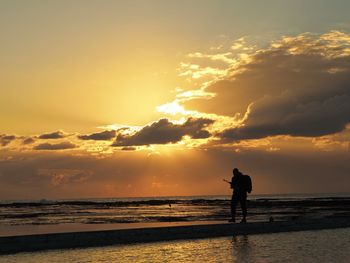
[
  {"x": 243, "y": 202},
  {"x": 234, "y": 202}
]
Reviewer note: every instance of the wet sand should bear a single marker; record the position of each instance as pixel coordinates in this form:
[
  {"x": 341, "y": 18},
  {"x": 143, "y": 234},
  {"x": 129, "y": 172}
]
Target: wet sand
[
  {"x": 159, "y": 232},
  {"x": 24, "y": 230}
]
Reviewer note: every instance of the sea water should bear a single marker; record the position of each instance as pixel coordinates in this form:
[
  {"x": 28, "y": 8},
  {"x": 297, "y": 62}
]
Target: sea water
[
  {"x": 167, "y": 209},
  {"x": 306, "y": 246}
]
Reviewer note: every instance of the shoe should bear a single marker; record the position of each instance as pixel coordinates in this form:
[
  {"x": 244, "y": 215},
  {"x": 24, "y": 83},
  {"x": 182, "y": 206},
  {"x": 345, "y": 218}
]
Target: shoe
[
  {"x": 232, "y": 221},
  {"x": 244, "y": 220}
]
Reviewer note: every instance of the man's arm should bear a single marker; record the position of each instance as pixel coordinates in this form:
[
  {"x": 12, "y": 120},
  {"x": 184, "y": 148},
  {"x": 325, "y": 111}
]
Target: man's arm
[{"x": 228, "y": 183}]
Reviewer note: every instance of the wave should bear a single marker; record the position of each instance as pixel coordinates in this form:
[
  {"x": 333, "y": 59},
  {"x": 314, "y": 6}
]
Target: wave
[
  {"x": 161, "y": 202},
  {"x": 105, "y": 211}
]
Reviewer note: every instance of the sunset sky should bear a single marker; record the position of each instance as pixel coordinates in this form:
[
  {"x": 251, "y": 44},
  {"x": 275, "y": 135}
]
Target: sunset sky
[{"x": 164, "y": 98}]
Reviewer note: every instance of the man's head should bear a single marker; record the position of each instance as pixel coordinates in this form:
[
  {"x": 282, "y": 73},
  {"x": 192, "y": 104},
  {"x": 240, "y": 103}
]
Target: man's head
[{"x": 235, "y": 171}]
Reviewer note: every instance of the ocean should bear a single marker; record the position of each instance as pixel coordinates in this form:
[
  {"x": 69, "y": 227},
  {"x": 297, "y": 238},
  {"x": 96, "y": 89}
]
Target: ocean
[
  {"x": 169, "y": 209},
  {"x": 306, "y": 246}
]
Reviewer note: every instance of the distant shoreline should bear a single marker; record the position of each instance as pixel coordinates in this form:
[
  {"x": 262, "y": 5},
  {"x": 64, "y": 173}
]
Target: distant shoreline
[{"x": 15, "y": 244}]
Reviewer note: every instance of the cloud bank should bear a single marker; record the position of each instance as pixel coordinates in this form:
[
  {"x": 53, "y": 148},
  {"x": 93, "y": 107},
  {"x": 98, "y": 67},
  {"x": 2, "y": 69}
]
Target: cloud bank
[{"x": 164, "y": 132}]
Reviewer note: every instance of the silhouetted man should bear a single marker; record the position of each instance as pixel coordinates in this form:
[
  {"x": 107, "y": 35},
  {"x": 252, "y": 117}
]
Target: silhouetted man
[{"x": 241, "y": 185}]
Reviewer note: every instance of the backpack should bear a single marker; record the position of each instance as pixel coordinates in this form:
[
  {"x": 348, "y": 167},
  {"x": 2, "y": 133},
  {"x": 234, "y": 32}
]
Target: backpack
[{"x": 248, "y": 183}]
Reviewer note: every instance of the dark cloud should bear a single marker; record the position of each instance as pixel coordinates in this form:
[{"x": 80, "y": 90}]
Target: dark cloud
[
  {"x": 129, "y": 148},
  {"x": 164, "y": 131},
  {"x": 299, "y": 86},
  {"x": 6, "y": 139},
  {"x": 105, "y": 135},
  {"x": 284, "y": 115},
  {"x": 55, "y": 146},
  {"x": 53, "y": 135},
  {"x": 194, "y": 127},
  {"x": 28, "y": 140}
]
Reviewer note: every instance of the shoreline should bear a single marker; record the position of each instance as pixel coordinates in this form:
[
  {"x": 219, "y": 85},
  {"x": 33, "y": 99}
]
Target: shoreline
[{"x": 37, "y": 242}]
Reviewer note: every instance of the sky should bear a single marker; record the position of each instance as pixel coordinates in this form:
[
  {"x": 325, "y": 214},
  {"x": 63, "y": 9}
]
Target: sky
[{"x": 164, "y": 98}]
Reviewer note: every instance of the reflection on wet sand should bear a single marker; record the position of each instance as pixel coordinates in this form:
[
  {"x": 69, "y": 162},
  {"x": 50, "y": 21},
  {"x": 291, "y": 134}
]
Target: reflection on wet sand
[
  {"x": 242, "y": 249},
  {"x": 296, "y": 247}
]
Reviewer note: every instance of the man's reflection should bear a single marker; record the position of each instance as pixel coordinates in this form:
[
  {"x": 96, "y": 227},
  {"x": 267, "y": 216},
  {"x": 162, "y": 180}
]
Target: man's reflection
[{"x": 242, "y": 249}]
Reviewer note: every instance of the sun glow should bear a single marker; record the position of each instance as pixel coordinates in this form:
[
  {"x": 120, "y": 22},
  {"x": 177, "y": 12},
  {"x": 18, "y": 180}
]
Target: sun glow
[{"x": 172, "y": 108}]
